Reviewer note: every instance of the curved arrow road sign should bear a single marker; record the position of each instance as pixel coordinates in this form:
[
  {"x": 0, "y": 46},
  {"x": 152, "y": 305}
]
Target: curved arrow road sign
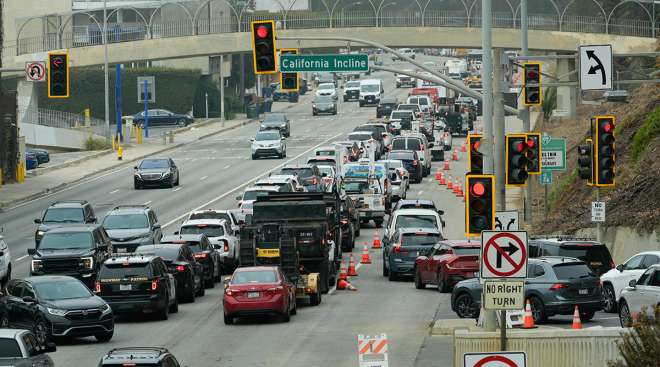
[{"x": 596, "y": 67}]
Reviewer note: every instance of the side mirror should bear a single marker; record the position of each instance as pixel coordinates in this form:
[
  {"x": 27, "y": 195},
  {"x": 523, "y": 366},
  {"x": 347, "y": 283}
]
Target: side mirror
[
  {"x": 238, "y": 197},
  {"x": 176, "y": 232},
  {"x": 619, "y": 268},
  {"x": 50, "y": 347},
  {"x": 135, "y": 167},
  {"x": 251, "y": 139},
  {"x": 440, "y": 212},
  {"x": 37, "y": 221},
  {"x": 157, "y": 226},
  {"x": 28, "y": 299},
  {"x": 31, "y": 251},
  {"x": 632, "y": 283}
]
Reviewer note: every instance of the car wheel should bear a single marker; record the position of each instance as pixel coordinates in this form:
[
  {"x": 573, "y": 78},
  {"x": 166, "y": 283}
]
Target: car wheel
[
  {"x": 587, "y": 315},
  {"x": 40, "y": 330},
  {"x": 136, "y": 185},
  {"x": 104, "y": 337},
  {"x": 538, "y": 310},
  {"x": 229, "y": 319},
  {"x": 465, "y": 306},
  {"x": 386, "y": 271},
  {"x": 294, "y": 311},
  {"x": 316, "y": 298},
  {"x": 174, "y": 307},
  {"x": 178, "y": 178},
  {"x": 314, "y": 113},
  {"x": 201, "y": 291},
  {"x": 442, "y": 285},
  {"x": 391, "y": 275},
  {"x": 254, "y": 157},
  {"x": 286, "y": 316},
  {"x": 610, "y": 299},
  {"x": 418, "y": 280},
  {"x": 4, "y": 321},
  {"x": 164, "y": 313},
  {"x": 181, "y": 122},
  {"x": 625, "y": 318}
]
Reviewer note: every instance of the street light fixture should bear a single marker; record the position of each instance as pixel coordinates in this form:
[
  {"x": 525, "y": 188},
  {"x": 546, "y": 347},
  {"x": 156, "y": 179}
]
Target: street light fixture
[{"x": 381, "y": 12}]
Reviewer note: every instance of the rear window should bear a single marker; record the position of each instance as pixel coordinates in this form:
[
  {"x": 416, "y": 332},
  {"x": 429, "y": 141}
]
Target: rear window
[
  {"x": 9, "y": 348},
  {"x": 594, "y": 256},
  {"x": 207, "y": 229},
  {"x": 119, "y": 270},
  {"x": 359, "y": 137},
  {"x": 419, "y": 239},
  {"x": 415, "y": 221},
  {"x": 253, "y": 194},
  {"x": 248, "y": 277},
  {"x": 169, "y": 253},
  {"x": 210, "y": 215},
  {"x": 325, "y": 152},
  {"x": 465, "y": 251},
  {"x": 572, "y": 271},
  {"x": 402, "y": 156},
  {"x": 398, "y": 144},
  {"x": 399, "y": 115},
  {"x": 417, "y": 206},
  {"x": 300, "y": 172}
]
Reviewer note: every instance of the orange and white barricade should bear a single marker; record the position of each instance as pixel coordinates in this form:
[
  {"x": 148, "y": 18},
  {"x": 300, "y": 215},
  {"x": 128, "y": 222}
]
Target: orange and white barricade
[{"x": 372, "y": 351}]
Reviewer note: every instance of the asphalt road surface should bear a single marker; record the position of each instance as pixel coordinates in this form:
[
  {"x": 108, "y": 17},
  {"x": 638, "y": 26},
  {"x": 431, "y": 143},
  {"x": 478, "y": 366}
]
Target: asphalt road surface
[{"x": 213, "y": 172}]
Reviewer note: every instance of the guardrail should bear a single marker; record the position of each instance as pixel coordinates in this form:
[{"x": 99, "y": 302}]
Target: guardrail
[
  {"x": 63, "y": 120},
  {"x": 188, "y": 24}
]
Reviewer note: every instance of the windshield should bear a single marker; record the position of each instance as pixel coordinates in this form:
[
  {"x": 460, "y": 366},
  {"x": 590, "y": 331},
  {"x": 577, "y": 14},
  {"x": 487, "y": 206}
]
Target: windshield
[
  {"x": 353, "y": 85},
  {"x": 356, "y": 186},
  {"x": 154, "y": 163},
  {"x": 167, "y": 252},
  {"x": 62, "y": 289},
  {"x": 126, "y": 221},
  {"x": 359, "y": 137},
  {"x": 323, "y": 99},
  {"x": 209, "y": 230},
  {"x": 253, "y": 194},
  {"x": 248, "y": 277},
  {"x": 325, "y": 152},
  {"x": 275, "y": 118},
  {"x": 416, "y": 221},
  {"x": 400, "y": 115},
  {"x": 9, "y": 348},
  {"x": 63, "y": 215},
  {"x": 325, "y": 86},
  {"x": 302, "y": 173},
  {"x": 572, "y": 271},
  {"x": 419, "y": 239},
  {"x": 267, "y": 135},
  {"x": 66, "y": 241},
  {"x": 370, "y": 88}
]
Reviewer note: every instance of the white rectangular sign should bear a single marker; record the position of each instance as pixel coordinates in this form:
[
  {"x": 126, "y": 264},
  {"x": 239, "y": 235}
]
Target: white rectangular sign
[
  {"x": 552, "y": 159},
  {"x": 495, "y": 359},
  {"x": 597, "y": 211},
  {"x": 504, "y": 295},
  {"x": 373, "y": 351},
  {"x": 503, "y": 254},
  {"x": 506, "y": 220},
  {"x": 35, "y": 71},
  {"x": 596, "y": 67}
]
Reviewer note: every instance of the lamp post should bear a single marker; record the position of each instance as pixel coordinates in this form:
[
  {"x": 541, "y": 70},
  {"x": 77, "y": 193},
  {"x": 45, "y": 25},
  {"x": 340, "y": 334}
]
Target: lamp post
[
  {"x": 381, "y": 13},
  {"x": 105, "y": 68}
]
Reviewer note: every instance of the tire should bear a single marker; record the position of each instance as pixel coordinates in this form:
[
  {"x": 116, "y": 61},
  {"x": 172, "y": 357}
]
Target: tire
[
  {"x": 465, "y": 307},
  {"x": 334, "y": 113},
  {"x": 181, "y": 122},
  {"x": 418, "y": 280},
  {"x": 174, "y": 307},
  {"x": 442, "y": 286},
  {"x": 391, "y": 276},
  {"x": 170, "y": 184},
  {"x": 209, "y": 283},
  {"x": 538, "y": 310},
  {"x": 202, "y": 291},
  {"x": 136, "y": 185},
  {"x": 378, "y": 223},
  {"x": 164, "y": 313},
  {"x": 40, "y": 330},
  {"x": 286, "y": 316},
  {"x": 4, "y": 321},
  {"x": 361, "y": 104},
  {"x": 324, "y": 278},
  {"x": 610, "y": 299},
  {"x": 314, "y": 113},
  {"x": 189, "y": 296},
  {"x": 315, "y": 299},
  {"x": 104, "y": 337},
  {"x": 294, "y": 311},
  {"x": 254, "y": 157},
  {"x": 386, "y": 271},
  {"x": 178, "y": 178},
  {"x": 625, "y": 318},
  {"x": 587, "y": 316},
  {"x": 229, "y": 319}
]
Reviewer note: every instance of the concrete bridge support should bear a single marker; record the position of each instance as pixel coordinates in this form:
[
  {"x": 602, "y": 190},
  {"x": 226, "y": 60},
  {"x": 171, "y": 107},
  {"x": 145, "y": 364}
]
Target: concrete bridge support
[{"x": 566, "y": 96}]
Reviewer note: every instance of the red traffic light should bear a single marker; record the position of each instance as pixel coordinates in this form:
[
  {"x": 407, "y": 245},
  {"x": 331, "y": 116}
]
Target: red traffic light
[
  {"x": 531, "y": 143},
  {"x": 476, "y": 145},
  {"x": 478, "y": 189},
  {"x": 518, "y": 146},
  {"x": 532, "y": 74},
  {"x": 608, "y": 127},
  {"x": 262, "y": 31}
]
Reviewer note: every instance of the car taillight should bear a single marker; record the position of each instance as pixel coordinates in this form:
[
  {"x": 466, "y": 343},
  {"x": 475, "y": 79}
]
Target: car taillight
[
  {"x": 275, "y": 289},
  {"x": 415, "y": 162},
  {"x": 225, "y": 248},
  {"x": 397, "y": 248},
  {"x": 201, "y": 255},
  {"x": 154, "y": 285},
  {"x": 422, "y": 146},
  {"x": 229, "y": 291},
  {"x": 558, "y": 286},
  {"x": 180, "y": 268},
  {"x": 97, "y": 287}
]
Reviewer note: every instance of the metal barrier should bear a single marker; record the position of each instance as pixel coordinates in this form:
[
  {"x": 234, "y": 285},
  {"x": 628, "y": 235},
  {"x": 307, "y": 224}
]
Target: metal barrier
[{"x": 63, "y": 120}]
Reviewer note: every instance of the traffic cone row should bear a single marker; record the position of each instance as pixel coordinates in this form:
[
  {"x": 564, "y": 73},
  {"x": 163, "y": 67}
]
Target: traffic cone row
[
  {"x": 446, "y": 165},
  {"x": 352, "y": 272},
  {"x": 365, "y": 256},
  {"x": 463, "y": 150}
]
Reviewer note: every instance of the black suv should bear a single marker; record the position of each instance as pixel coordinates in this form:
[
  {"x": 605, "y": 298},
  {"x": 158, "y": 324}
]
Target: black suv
[
  {"x": 277, "y": 121},
  {"x": 205, "y": 254},
  {"x": 139, "y": 356},
  {"x": 130, "y": 226},
  {"x": 76, "y": 251},
  {"x": 594, "y": 254},
  {"x": 57, "y": 305},
  {"x": 63, "y": 213},
  {"x": 386, "y": 106},
  {"x": 137, "y": 283}
]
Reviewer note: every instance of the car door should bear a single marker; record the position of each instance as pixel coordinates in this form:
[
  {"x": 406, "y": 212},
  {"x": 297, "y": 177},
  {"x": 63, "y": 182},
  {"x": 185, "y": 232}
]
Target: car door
[
  {"x": 649, "y": 289},
  {"x": 426, "y": 263},
  {"x": 636, "y": 296},
  {"x": 162, "y": 269},
  {"x": 632, "y": 269},
  {"x": 27, "y": 311},
  {"x": 12, "y": 302},
  {"x": 175, "y": 170},
  {"x": 440, "y": 261}
]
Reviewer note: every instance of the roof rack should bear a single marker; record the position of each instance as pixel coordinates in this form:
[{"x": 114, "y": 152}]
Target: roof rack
[
  {"x": 69, "y": 201},
  {"x": 130, "y": 254},
  {"x": 160, "y": 350},
  {"x": 130, "y": 206}
]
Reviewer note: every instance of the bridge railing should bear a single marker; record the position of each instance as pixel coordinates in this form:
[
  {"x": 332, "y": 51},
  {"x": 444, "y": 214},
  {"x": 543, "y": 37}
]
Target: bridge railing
[
  {"x": 80, "y": 36},
  {"x": 63, "y": 120}
]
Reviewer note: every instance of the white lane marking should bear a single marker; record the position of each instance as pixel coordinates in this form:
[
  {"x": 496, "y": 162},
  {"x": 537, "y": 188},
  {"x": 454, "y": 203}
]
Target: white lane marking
[
  {"x": 203, "y": 178},
  {"x": 420, "y": 192},
  {"x": 114, "y": 191},
  {"x": 227, "y": 166},
  {"x": 21, "y": 258},
  {"x": 177, "y": 189},
  {"x": 249, "y": 181},
  {"x": 147, "y": 203}
]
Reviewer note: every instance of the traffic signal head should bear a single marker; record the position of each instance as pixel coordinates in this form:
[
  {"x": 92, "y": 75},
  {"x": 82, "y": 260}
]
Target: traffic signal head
[
  {"x": 516, "y": 159},
  {"x": 475, "y": 157},
  {"x": 263, "y": 47},
  {"x": 480, "y": 204},
  {"x": 289, "y": 81},
  {"x": 534, "y": 153},
  {"x": 532, "y": 75},
  {"x": 604, "y": 150},
  {"x": 585, "y": 159},
  {"x": 58, "y": 75}
]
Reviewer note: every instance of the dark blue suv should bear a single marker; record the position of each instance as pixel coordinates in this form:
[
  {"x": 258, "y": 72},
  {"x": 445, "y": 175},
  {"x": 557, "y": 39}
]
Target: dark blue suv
[{"x": 400, "y": 253}]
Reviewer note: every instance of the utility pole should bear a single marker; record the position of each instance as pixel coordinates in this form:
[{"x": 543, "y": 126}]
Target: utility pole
[
  {"x": 524, "y": 112},
  {"x": 222, "y": 90},
  {"x": 105, "y": 69},
  {"x": 490, "y": 317},
  {"x": 499, "y": 129}
]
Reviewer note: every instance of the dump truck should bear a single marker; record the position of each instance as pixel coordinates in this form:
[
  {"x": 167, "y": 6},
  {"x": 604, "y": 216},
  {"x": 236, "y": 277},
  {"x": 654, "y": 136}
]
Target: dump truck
[{"x": 301, "y": 233}]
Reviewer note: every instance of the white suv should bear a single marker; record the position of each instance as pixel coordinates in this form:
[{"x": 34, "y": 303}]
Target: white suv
[
  {"x": 617, "y": 279},
  {"x": 5, "y": 263},
  {"x": 220, "y": 235}
]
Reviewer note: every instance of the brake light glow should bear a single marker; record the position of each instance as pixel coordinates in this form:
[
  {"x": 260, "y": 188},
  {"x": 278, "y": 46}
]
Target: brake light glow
[
  {"x": 558, "y": 286},
  {"x": 154, "y": 285},
  {"x": 422, "y": 146},
  {"x": 180, "y": 268},
  {"x": 97, "y": 287},
  {"x": 225, "y": 248},
  {"x": 415, "y": 162},
  {"x": 201, "y": 255},
  {"x": 397, "y": 248}
]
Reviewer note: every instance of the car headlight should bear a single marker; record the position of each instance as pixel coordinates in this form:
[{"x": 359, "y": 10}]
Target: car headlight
[
  {"x": 56, "y": 311},
  {"x": 166, "y": 174},
  {"x": 313, "y": 106},
  {"x": 263, "y": 126},
  {"x": 40, "y": 233},
  {"x": 87, "y": 262},
  {"x": 136, "y": 174},
  {"x": 105, "y": 308},
  {"x": 36, "y": 265}
]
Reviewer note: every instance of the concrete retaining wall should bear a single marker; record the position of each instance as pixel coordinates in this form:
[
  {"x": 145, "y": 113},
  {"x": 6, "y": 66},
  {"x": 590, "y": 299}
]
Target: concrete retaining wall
[
  {"x": 591, "y": 347},
  {"x": 46, "y": 136},
  {"x": 624, "y": 242}
]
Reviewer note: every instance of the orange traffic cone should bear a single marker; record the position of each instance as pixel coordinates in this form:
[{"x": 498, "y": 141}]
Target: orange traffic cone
[
  {"x": 459, "y": 191},
  {"x": 449, "y": 184},
  {"x": 446, "y": 165},
  {"x": 376, "y": 244},
  {"x": 342, "y": 271},
  {"x": 350, "y": 287},
  {"x": 442, "y": 180},
  {"x": 528, "y": 319},
  {"x": 463, "y": 147},
  {"x": 454, "y": 155},
  {"x": 342, "y": 284},
  {"x": 352, "y": 272},
  {"x": 577, "y": 323},
  {"x": 365, "y": 256},
  {"x": 437, "y": 175}
]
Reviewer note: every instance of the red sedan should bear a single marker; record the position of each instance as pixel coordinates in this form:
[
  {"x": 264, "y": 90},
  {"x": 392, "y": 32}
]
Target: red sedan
[
  {"x": 259, "y": 290},
  {"x": 447, "y": 263}
]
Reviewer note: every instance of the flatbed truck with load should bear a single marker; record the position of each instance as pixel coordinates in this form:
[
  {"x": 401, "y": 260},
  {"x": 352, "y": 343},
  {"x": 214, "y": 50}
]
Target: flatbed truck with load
[{"x": 300, "y": 233}]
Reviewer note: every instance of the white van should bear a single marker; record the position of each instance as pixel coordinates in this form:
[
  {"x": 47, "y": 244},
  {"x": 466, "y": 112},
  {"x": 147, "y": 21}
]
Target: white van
[
  {"x": 424, "y": 102},
  {"x": 370, "y": 92}
]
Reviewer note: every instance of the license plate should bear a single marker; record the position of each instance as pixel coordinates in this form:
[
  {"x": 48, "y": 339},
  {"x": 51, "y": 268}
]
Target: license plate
[
  {"x": 583, "y": 291},
  {"x": 268, "y": 252},
  {"x": 125, "y": 287},
  {"x": 120, "y": 249},
  {"x": 253, "y": 294}
]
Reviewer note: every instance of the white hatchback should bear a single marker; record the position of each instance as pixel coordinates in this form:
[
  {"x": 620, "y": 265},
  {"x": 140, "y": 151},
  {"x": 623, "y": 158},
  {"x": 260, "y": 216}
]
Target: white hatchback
[{"x": 617, "y": 279}]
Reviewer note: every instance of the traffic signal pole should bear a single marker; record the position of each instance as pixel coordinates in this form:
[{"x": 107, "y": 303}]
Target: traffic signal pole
[
  {"x": 524, "y": 112},
  {"x": 498, "y": 129}
]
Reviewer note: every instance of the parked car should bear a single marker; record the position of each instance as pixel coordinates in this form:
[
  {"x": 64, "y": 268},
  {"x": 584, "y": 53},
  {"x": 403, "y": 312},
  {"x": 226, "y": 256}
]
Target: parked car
[
  {"x": 204, "y": 254},
  {"x": 617, "y": 279},
  {"x": 20, "y": 348},
  {"x": 5, "y": 263},
  {"x": 64, "y": 213},
  {"x": 554, "y": 286},
  {"x": 278, "y": 121},
  {"x": 130, "y": 226},
  {"x": 643, "y": 293},
  {"x": 31, "y": 161},
  {"x": 42, "y": 155},
  {"x": 403, "y": 248},
  {"x": 156, "y": 172},
  {"x": 324, "y": 104},
  {"x": 147, "y": 357},
  {"x": 58, "y": 306},
  {"x": 447, "y": 263},
  {"x": 594, "y": 254},
  {"x": 259, "y": 290},
  {"x": 162, "y": 117},
  {"x": 221, "y": 237},
  {"x": 268, "y": 143}
]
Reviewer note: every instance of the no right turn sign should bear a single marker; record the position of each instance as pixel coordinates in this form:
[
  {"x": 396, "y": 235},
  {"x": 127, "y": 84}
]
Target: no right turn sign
[{"x": 495, "y": 359}]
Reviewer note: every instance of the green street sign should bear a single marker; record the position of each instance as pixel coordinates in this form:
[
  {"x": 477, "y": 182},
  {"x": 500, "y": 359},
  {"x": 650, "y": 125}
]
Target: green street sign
[
  {"x": 553, "y": 154},
  {"x": 324, "y": 63},
  {"x": 546, "y": 178}
]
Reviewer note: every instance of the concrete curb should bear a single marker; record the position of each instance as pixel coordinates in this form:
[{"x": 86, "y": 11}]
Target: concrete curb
[
  {"x": 71, "y": 162},
  {"x": 63, "y": 185}
]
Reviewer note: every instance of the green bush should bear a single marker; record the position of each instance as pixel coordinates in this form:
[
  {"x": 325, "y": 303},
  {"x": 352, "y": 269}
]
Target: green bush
[
  {"x": 640, "y": 347},
  {"x": 549, "y": 102},
  {"x": 96, "y": 144},
  {"x": 649, "y": 130}
]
